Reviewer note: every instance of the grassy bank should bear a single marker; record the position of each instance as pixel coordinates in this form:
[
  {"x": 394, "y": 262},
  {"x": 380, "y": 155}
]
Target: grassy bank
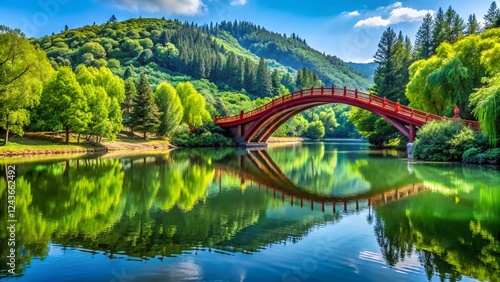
[{"x": 48, "y": 144}]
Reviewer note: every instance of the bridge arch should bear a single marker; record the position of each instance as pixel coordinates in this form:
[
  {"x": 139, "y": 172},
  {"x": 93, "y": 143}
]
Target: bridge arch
[{"x": 258, "y": 125}]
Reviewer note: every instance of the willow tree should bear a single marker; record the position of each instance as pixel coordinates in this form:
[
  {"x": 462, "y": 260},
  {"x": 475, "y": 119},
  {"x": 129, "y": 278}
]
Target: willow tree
[
  {"x": 487, "y": 98},
  {"x": 24, "y": 70},
  {"x": 170, "y": 106},
  {"x": 194, "y": 103}
]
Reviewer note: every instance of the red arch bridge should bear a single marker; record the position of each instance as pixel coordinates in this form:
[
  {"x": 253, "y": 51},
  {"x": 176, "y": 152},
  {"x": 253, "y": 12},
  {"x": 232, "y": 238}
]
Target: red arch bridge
[{"x": 256, "y": 126}]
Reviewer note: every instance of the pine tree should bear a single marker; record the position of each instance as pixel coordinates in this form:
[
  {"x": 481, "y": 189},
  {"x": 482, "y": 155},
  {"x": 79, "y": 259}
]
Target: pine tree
[
  {"x": 491, "y": 16},
  {"x": 423, "y": 42},
  {"x": 129, "y": 72},
  {"x": 128, "y": 103},
  {"x": 472, "y": 25},
  {"x": 438, "y": 30},
  {"x": 249, "y": 74},
  {"x": 454, "y": 26},
  {"x": 263, "y": 86},
  {"x": 113, "y": 19},
  {"x": 275, "y": 82},
  {"x": 287, "y": 81},
  {"x": 384, "y": 78},
  {"x": 146, "y": 116},
  {"x": 299, "y": 79},
  {"x": 163, "y": 39}
]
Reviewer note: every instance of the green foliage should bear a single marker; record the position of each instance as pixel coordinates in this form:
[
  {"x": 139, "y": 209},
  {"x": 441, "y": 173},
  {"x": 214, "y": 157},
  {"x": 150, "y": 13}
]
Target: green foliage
[
  {"x": 24, "y": 70},
  {"x": 315, "y": 130},
  {"x": 145, "y": 116},
  {"x": 128, "y": 103},
  {"x": 491, "y": 16},
  {"x": 170, "y": 106},
  {"x": 104, "y": 92},
  {"x": 193, "y": 102},
  {"x": 208, "y": 135},
  {"x": 263, "y": 86},
  {"x": 375, "y": 129},
  {"x": 423, "y": 42},
  {"x": 474, "y": 155},
  {"x": 292, "y": 51},
  {"x": 443, "y": 141},
  {"x": 493, "y": 155},
  {"x": 461, "y": 74},
  {"x": 307, "y": 79},
  {"x": 63, "y": 104}
]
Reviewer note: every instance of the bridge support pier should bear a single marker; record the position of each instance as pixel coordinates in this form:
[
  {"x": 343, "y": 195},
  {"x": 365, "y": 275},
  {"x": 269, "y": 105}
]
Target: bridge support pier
[{"x": 412, "y": 133}]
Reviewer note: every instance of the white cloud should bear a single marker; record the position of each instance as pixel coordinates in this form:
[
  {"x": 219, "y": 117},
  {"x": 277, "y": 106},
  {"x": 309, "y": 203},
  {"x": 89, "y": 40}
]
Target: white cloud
[
  {"x": 373, "y": 21},
  {"x": 399, "y": 14},
  {"x": 181, "y": 7},
  {"x": 353, "y": 13},
  {"x": 397, "y": 5},
  {"x": 238, "y": 2}
]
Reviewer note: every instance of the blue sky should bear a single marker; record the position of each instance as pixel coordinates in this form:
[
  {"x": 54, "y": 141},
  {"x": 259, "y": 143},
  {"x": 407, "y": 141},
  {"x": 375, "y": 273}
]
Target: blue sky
[{"x": 350, "y": 30}]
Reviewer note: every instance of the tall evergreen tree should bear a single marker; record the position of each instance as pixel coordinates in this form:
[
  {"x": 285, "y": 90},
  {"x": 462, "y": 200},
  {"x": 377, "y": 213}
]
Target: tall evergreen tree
[
  {"x": 384, "y": 78},
  {"x": 287, "y": 81},
  {"x": 438, "y": 30},
  {"x": 423, "y": 42},
  {"x": 263, "y": 86},
  {"x": 491, "y": 16},
  {"x": 146, "y": 116},
  {"x": 275, "y": 82},
  {"x": 454, "y": 25},
  {"x": 472, "y": 25},
  {"x": 249, "y": 74},
  {"x": 128, "y": 103}
]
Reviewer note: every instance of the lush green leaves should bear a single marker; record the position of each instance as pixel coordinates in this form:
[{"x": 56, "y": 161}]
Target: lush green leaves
[
  {"x": 170, "y": 106},
  {"x": 23, "y": 72},
  {"x": 63, "y": 104},
  {"x": 145, "y": 116},
  {"x": 443, "y": 141}
]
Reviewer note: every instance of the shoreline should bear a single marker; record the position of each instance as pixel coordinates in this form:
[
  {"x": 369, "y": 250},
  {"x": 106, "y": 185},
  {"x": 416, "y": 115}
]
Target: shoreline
[{"x": 63, "y": 149}]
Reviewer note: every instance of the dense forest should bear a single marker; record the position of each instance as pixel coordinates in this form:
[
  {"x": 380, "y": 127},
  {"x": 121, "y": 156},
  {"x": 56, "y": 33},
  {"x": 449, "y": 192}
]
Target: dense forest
[
  {"x": 167, "y": 78},
  {"x": 452, "y": 63},
  {"x": 117, "y": 65}
]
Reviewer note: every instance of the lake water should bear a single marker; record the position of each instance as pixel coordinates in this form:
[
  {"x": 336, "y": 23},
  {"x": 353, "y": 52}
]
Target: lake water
[{"x": 303, "y": 212}]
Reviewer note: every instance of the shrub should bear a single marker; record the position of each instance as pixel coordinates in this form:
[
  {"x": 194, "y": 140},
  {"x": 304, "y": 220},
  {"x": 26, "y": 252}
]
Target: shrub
[
  {"x": 443, "y": 141},
  {"x": 208, "y": 135},
  {"x": 315, "y": 130},
  {"x": 493, "y": 156},
  {"x": 474, "y": 155}
]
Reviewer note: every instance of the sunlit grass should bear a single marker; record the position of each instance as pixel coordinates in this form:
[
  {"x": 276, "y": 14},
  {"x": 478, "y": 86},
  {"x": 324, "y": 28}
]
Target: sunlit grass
[{"x": 51, "y": 143}]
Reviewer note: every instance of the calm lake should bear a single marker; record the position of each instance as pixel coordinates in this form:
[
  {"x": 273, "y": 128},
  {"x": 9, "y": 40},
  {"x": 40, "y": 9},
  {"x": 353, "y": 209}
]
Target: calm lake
[{"x": 301, "y": 212}]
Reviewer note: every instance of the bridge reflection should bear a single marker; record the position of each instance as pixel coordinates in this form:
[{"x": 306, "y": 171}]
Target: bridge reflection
[{"x": 256, "y": 169}]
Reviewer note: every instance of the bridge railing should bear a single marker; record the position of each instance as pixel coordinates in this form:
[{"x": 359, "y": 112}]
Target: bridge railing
[{"x": 366, "y": 98}]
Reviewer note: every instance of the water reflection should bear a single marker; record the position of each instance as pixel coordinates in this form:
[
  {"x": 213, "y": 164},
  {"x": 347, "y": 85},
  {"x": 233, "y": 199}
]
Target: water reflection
[{"x": 230, "y": 201}]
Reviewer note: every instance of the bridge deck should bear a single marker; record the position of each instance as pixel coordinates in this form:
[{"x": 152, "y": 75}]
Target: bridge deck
[{"x": 340, "y": 95}]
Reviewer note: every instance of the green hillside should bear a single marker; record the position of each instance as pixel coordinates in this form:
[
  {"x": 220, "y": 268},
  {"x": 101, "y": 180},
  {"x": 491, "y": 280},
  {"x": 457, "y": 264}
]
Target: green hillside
[
  {"x": 294, "y": 52},
  {"x": 169, "y": 48}
]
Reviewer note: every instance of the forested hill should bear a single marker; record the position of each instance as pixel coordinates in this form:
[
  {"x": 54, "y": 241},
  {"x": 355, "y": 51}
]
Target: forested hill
[
  {"x": 294, "y": 52},
  {"x": 226, "y": 54}
]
